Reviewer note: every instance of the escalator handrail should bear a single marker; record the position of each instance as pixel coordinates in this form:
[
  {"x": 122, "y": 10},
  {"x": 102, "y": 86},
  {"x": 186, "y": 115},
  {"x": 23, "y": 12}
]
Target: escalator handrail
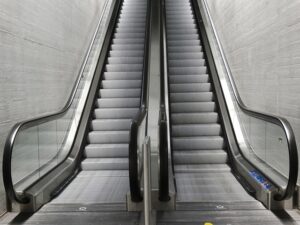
[
  {"x": 10, "y": 140},
  {"x": 134, "y": 178},
  {"x": 163, "y": 126},
  {"x": 280, "y": 121}
]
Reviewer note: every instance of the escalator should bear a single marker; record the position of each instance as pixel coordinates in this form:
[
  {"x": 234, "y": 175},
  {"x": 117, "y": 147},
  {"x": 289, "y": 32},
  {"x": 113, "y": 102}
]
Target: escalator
[
  {"x": 209, "y": 187},
  {"x": 104, "y": 177},
  {"x": 203, "y": 177},
  {"x": 199, "y": 149},
  {"x": 101, "y": 181}
]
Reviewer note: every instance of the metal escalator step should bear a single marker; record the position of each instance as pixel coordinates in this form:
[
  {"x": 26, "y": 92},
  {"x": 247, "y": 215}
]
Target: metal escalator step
[
  {"x": 124, "y": 67},
  {"x": 106, "y": 150},
  {"x": 179, "y": 12},
  {"x": 137, "y": 14},
  {"x": 127, "y": 41},
  {"x": 121, "y": 84},
  {"x": 185, "y": 6},
  {"x": 122, "y": 75},
  {"x": 191, "y": 97},
  {"x": 131, "y": 19},
  {"x": 129, "y": 53},
  {"x": 118, "y": 102},
  {"x": 180, "y": 37},
  {"x": 183, "y": 107},
  {"x": 182, "y": 24},
  {"x": 122, "y": 113},
  {"x": 185, "y": 56},
  {"x": 179, "y": 16},
  {"x": 174, "y": 4},
  {"x": 134, "y": 8},
  {"x": 201, "y": 168},
  {"x": 124, "y": 17},
  {"x": 183, "y": 31},
  {"x": 118, "y": 47},
  {"x": 181, "y": 79},
  {"x": 184, "y": 43},
  {"x": 129, "y": 10},
  {"x": 193, "y": 63},
  {"x": 125, "y": 60},
  {"x": 190, "y": 130},
  {"x": 105, "y": 164},
  {"x": 198, "y": 143},
  {"x": 184, "y": 49},
  {"x": 200, "y": 157},
  {"x": 110, "y": 124},
  {"x": 187, "y": 87},
  {"x": 129, "y": 25},
  {"x": 129, "y": 35},
  {"x": 179, "y": 70},
  {"x": 194, "y": 118},
  {"x": 108, "y": 137},
  {"x": 120, "y": 93}
]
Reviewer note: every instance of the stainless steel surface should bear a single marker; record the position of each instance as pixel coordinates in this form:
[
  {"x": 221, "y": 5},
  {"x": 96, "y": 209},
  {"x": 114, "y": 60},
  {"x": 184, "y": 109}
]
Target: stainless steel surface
[
  {"x": 96, "y": 187},
  {"x": 223, "y": 217},
  {"x": 79, "y": 217},
  {"x": 147, "y": 181}
]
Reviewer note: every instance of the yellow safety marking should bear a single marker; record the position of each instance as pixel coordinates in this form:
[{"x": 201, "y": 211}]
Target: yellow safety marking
[{"x": 208, "y": 223}]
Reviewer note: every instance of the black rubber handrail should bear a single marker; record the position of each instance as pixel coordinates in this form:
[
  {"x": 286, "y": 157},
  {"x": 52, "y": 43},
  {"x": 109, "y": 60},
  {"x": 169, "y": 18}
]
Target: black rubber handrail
[
  {"x": 163, "y": 158},
  {"x": 18, "y": 127},
  {"x": 163, "y": 126},
  {"x": 282, "y": 122},
  {"x": 134, "y": 174}
]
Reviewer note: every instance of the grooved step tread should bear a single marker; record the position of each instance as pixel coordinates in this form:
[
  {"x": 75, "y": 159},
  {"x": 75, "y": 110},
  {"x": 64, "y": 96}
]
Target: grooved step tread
[
  {"x": 179, "y": 79},
  {"x": 200, "y": 157},
  {"x": 198, "y": 143},
  {"x": 189, "y": 130},
  {"x": 191, "y": 97},
  {"x": 118, "y": 102},
  {"x": 189, "y": 107},
  {"x": 201, "y": 168},
  {"x": 110, "y": 124},
  {"x": 105, "y": 164},
  {"x": 120, "y": 93},
  {"x": 98, "y": 137},
  {"x": 106, "y": 150},
  {"x": 120, "y": 113},
  {"x": 194, "y": 118}
]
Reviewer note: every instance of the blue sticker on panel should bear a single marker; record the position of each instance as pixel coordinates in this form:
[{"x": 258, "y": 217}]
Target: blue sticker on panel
[{"x": 260, "y": 179}]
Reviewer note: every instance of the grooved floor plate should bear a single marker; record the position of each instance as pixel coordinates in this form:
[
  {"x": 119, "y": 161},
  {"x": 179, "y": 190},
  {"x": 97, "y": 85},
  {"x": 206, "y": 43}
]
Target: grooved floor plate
[
  {"x": 73, "y": 218},
  {"x": 232, "y": 217},
  {"x": 94, "y": 187}
]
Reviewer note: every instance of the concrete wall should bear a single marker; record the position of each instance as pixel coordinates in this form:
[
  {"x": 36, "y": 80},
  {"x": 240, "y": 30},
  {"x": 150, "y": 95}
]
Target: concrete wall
[
  {"x": 42, "y": 44},
  {"x": 261, "y": 40}
]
